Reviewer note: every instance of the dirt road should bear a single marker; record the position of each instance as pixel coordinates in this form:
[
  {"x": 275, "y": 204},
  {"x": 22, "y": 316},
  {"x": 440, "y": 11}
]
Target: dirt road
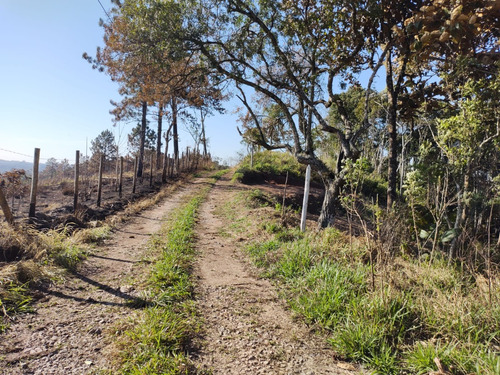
[
  {"x": 75, "y": 321},
  {"x": 247, "y": 329}
]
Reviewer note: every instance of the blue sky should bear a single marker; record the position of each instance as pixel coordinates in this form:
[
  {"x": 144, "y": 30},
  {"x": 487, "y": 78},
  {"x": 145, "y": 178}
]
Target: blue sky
[{"x": 50, "y": 97}]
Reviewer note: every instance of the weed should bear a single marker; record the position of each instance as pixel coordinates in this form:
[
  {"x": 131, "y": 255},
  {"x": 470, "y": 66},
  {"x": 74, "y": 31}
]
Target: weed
[
  {"x": 64, "y": 251},
  {"x": 257, "y": 198},
  {"x": 297, "y": 259},
  {"x": 218, "y": 175},
  {"x": 262, "y": 253},
  {"x": 14, "y": 299},
  {"x": 327, "y": 293},
  {"x": 93, "y": 235}
]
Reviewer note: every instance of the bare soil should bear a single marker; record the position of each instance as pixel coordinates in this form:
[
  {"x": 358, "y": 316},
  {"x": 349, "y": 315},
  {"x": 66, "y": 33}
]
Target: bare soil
[
  {"x": 247, "y": 327},
  {"x": 75, "y": 321}
]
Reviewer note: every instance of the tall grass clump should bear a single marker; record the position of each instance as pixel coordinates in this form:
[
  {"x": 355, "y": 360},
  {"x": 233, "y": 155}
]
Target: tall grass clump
[
  {"x": 63, "y": 250},
  {"x": 14, "y": 299},
  {"x": 159, "y": 340}
]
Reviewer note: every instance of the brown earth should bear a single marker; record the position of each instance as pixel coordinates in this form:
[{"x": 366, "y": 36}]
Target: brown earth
[
  {"x": 247, "y": 327},
  {"x": 75, "y": 321}
]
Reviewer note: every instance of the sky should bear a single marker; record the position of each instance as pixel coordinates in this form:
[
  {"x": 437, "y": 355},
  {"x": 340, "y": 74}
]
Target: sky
[{"x": 52, "y": 99}]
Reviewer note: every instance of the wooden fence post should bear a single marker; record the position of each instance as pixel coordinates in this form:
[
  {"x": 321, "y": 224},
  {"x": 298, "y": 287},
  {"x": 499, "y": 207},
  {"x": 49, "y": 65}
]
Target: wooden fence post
[
  {"x": 306, "y": 199},
  {"x": 5, "y": 208},
  {"x": 99, "y": 183},
  {"x": 120, "y": 184},
  {"x": 77, "y": 176},
  {"x": 34, "y": 183},
  {"x": 134, "y": 181}
]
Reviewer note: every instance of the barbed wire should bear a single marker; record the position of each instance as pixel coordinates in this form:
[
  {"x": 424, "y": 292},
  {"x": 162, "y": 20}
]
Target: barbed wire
[{"x": 31, "y": 156}]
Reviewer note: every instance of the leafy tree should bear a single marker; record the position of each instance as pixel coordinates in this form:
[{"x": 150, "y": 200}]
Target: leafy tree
[
  {"x": 104, "y": 144},
  {"x": 280, "y": 50},
  {"x": 148, "y": 75},
  {"x": 134, "y": 139}
]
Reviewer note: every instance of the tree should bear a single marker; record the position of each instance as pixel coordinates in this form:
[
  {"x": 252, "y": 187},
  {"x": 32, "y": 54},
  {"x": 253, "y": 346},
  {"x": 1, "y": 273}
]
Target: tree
[
  {"x": 290, "y": 53},
  {"x": 104, "y": 144},
  {"x": 134, "y": 140},
  {"x": 148, "y": 75}
]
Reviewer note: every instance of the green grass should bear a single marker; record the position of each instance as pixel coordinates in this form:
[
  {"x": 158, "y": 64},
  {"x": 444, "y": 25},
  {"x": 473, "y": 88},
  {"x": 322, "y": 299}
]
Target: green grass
[
  {"x": 61, "y": 249},
  {"x": 218, "y": 175},
  {"x": 416, "y": 313},
  {"x": 159, "y": 340},
  {"x": 14, "y": 299},
  {"x": 267, "y": 164}
]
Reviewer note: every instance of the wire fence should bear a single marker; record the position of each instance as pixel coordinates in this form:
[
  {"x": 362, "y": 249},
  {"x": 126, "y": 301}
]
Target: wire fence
[{"x": 90, "y": 186}]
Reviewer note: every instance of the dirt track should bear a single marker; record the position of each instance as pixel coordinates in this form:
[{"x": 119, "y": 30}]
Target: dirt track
[
  {"x": 247, "y": 329},
  {"x": 74, "y": 323}
]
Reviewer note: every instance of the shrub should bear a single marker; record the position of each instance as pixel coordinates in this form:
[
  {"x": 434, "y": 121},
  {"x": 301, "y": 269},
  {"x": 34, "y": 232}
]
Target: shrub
[{"x": 268, "y": 164}]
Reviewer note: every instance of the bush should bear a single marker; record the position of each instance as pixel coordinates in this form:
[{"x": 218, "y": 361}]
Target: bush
[{"x": 266, "y": 165}]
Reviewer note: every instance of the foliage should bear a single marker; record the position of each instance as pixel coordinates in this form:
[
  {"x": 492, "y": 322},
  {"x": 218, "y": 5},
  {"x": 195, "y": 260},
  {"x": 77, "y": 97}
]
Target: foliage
[
  {"x": 104, "y": 144},
  {"x": 15, "y": 183},
  {"x": 57, "y": 169},
  {"x": 268, "y": 165},
  {"x": 134, "y": 139},
  {"x": 159, "y": 341},
  {"x": 14, "y": 299}
]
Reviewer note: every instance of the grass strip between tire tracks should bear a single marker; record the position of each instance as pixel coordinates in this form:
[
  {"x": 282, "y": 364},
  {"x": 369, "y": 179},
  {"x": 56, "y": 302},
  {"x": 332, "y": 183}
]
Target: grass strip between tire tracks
[{"x": 160, "y": 338}]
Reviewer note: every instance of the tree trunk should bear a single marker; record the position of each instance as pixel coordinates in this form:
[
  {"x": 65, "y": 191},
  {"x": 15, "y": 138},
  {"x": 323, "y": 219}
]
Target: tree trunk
[
  {"x": 203, "y": 137},
  {"x": 393, "y": 158},
  {"x": 331, "y": 202},
  {"x": 140, "y": 164},
  {"x": 165, "y": 161},
  {"x": 175, "y": 135},
  {"x": 5, "y": 208},
  {"x": 158, "y": 137}
]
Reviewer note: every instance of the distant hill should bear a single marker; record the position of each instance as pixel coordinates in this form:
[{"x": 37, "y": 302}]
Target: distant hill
[{"x": 7, "y": 165}]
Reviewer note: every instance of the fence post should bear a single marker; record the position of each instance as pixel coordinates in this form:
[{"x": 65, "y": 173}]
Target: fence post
[
  {"x": 120, "y": 185},
  {"x": 77, "y": 176},
  {"x": 5, "y": 208},
  {"x": 134, "y": 181},
  {"x": 99, "y": 183},
  {"x": 306, "y": 199},
  {"x": 117, "y": 173},
  {"x": 34, "y": 183}
]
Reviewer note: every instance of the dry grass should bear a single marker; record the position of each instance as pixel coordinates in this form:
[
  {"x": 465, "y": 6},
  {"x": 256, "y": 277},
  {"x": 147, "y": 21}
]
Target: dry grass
[
  {"x": 32, "y": 256},
  {"x": 408, "y": 311}
]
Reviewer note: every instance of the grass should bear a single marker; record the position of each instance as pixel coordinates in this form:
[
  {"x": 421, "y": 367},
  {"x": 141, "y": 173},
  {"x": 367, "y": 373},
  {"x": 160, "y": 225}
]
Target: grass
[
  {"x": 268, "y": 163},
  {"x": 414, "y": 313},
  {"x": 158, "y": 340},
  {"x": 34, "y": 254},
  {"x": 14, "y": 299}
]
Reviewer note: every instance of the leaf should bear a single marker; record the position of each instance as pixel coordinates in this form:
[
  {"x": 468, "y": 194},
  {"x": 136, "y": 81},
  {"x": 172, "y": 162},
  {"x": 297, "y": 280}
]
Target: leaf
[
  {"x": 448, "y": 236},
  {"x": 424, "y": 234}
]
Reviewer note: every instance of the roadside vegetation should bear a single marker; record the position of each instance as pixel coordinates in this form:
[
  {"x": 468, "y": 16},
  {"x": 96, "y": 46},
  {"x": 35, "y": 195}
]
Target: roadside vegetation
[
  {"x": 34, "y": 256},
  {"x": 158, "y": 339},
  {"x": 264, "y": 165},
  {"x": 393, "y": 311}
]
